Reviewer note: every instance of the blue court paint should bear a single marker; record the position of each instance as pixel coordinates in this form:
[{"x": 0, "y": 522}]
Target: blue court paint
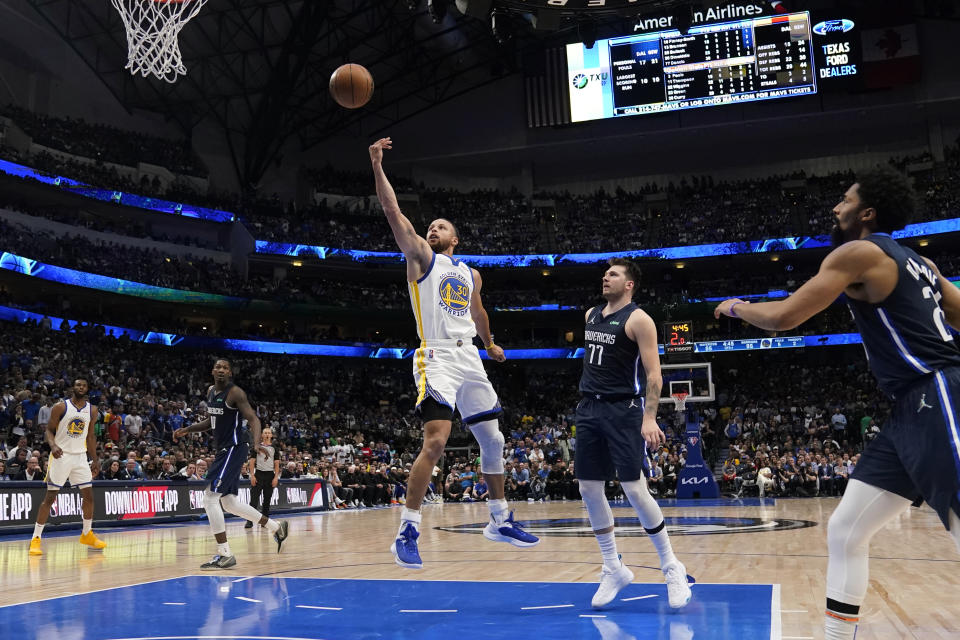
[{"x": 402, "y": 609}]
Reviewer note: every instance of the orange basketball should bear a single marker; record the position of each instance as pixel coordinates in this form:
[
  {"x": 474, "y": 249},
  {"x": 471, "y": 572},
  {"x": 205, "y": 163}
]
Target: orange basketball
[{"x": 351, "y": 85}]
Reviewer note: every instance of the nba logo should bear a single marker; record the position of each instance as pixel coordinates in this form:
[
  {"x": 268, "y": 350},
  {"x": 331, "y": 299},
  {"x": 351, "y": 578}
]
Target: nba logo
[
  {"x": 693, "y": 440},
  {"x": 430, "y": 355}
]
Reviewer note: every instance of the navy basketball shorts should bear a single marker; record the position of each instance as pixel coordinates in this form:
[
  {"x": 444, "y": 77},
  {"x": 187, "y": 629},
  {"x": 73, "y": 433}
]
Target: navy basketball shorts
[
  {"x": 609, "y": 442},
  {"x": 917, "y": 454},
  {"x": 224, "y": 474}
]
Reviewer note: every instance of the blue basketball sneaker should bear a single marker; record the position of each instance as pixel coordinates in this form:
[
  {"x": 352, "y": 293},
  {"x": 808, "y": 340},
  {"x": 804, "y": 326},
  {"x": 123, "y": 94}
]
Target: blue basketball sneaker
[
  {"x": 404, "y": 548},
  {"x": 510, "y": 531}
]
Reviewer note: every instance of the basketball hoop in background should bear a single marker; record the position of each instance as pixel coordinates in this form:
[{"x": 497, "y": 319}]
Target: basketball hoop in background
[
  {"x": 680, "y": 401},
  {"x": 152, "y": 28}
]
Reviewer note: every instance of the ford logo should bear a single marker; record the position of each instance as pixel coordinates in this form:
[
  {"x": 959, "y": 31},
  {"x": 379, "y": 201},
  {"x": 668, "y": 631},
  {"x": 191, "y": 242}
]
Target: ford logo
[{"x": 833, "y": 26}]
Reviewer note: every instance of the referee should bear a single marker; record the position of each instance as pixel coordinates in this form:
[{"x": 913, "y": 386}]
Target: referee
[{"x": 264, "y": 475}]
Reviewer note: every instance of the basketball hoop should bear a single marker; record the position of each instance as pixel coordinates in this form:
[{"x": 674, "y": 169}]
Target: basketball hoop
[
  {"x": 680, "y": 400},
  {"x": 152, "y": 28}
]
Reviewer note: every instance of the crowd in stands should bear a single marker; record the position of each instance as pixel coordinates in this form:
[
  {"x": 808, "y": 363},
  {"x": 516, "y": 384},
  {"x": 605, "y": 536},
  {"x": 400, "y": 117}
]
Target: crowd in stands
[
  {"x": 105, "y": 143},
  {"x": 123, "y": 228},
  {"x": 692, "y": 211},
  {"x": 352, "y": 422}
]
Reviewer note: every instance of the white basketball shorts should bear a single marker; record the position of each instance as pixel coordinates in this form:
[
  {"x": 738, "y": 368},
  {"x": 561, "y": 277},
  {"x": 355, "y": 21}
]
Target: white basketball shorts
[
  {"x": 70, "y": 466},
  {"x": 454, "y": 376}
]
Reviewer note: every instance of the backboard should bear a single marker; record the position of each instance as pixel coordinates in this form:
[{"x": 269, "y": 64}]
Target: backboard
[{"x": 696, "y": 378}]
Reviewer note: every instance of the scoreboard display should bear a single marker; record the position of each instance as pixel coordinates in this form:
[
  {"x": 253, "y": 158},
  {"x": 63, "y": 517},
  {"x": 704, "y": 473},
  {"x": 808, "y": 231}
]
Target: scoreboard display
[
  {"x": 757, "y": 58},
  {"x": 678, "y": 337}
]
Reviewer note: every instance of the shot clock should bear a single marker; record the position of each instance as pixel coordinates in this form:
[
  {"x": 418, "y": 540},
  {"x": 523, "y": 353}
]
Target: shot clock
[{"x": 677, "y": 337}]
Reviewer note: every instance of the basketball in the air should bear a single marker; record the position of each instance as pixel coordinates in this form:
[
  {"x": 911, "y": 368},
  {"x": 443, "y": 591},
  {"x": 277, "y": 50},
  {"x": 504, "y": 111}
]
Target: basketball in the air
[{"x": 351, "y": 85}]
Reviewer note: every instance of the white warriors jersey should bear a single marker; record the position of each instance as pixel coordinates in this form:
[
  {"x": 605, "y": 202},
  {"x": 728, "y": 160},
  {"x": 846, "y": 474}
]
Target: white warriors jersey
[
  {"x": 72, "y": 431},
  {"x": 441, "y": 300}
]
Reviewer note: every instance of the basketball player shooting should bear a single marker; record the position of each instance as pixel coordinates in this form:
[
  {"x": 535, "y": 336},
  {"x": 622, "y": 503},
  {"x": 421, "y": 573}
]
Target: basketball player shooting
[
  {"x": 617, "y": 425},
  {"x": 71, "y": 440},
  {"x": 445, "y": 295},
  {"x": 902, "y": 306},
  {"x": 226, "y": 405}
]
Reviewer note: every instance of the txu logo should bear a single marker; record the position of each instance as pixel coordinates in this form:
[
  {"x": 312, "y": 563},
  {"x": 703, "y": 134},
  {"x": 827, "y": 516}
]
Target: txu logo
[{"x": 579, "y": 81}]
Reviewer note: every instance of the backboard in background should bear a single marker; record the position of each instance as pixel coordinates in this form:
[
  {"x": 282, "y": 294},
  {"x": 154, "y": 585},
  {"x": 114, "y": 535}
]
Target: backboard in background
[{"x": 696, "y": 378}]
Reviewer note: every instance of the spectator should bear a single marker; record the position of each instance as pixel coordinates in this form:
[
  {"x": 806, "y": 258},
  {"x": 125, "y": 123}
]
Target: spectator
[
  {"x": 19, "y": 463},
  {"x": 167, "y": 471},
  {"x": 132, "y": 472},
  {"x": 481, "y": 492},
  {"x": 30, "y": 472},
  {"x": 114, "y": 472}
]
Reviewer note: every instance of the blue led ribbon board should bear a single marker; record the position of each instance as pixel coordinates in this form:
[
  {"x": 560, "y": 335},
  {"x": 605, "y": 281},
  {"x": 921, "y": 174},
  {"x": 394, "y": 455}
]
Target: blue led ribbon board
[
  {"x": 311, "y": 608},
  {"x": 789, "y": 243},
  {"x": 120, "y": 197},
  {"x": 364, "y": 350},
  {"x": 770, "y": 245}
]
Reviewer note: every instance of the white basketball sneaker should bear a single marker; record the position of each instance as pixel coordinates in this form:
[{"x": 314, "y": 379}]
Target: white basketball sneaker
[
  {"x": 611, "y": 582},
  {"x": 678, "y": 591}
]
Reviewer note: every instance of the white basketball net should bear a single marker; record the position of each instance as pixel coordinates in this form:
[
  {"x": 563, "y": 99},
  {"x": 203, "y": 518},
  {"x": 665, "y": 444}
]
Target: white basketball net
[
  {"x": 152, "y": 29},
  {"x": 680, "y": 401}
]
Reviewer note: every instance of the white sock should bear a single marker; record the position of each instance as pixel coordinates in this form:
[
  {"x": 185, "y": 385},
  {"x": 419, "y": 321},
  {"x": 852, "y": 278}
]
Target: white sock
[
  {"x": 498, "y": 510},
  {"x": 837, "y": 629},
  {"x": 608, "y": 549},
  {"x": 661, "y": 541},
  {"x": 272, "y": 525},
  {"x": 411, "y": 516},
  {"x": 223, "y": 549},
  {"x": 87, "y": 525},
  {"x": 38, "y": 529}
]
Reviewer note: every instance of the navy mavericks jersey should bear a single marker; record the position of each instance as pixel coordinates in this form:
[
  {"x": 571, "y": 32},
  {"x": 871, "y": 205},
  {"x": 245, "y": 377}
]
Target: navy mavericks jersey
[
  {"x": 224, "y": 419},
  {"x": 611, "y": 360},
  {"x": 906, "y": 336}
]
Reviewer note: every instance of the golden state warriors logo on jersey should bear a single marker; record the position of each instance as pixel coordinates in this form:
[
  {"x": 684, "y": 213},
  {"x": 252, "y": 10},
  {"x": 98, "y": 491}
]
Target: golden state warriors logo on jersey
[
  {"x": 75, "y": 428},
  {"x": 454, "y": 294}
]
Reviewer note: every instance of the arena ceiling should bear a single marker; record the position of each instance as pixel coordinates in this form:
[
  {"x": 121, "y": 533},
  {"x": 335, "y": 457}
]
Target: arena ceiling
[{"x": 260, "y": 68}]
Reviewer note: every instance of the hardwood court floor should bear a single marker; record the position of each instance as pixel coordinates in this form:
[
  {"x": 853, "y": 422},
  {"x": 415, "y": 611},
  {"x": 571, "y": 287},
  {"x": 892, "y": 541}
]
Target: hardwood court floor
[{"x": 914, "y": 579}]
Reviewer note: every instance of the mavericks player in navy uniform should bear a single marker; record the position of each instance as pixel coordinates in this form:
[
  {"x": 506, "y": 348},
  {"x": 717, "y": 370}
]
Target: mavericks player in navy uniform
[
  {"x": 902, "y": 306},
  {"x": 616, "y": 422},
  {"x": 226, "y": 405},
  {"x": 445, "y": 296}
]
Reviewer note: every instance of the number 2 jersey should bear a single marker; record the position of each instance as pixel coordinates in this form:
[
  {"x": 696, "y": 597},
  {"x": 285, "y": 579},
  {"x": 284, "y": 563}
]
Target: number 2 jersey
[
  {"x": 906, "y": 336},
  {"x": 611, "y": 360}
]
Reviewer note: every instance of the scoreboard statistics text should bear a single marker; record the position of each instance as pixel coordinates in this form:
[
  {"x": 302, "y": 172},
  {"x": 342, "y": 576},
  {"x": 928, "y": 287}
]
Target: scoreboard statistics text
[{"x": 751, "y": 59}]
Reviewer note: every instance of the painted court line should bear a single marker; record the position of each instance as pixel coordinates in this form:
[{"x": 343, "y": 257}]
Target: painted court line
[
  {"x": 590, "y": 615},
  {"x": 548, "y": 606},
  {"x": 776, "y": 624},
  {"x": 310, "y": 606},
  {"x": 652, "y": 595},
  {"x": 179, "y": 604},
  {"x": 241, "y": 579},
  {"x": 428, "y": 610},
  {"x": 83, "y": 593},
  {"x": 247, "y": 599}
]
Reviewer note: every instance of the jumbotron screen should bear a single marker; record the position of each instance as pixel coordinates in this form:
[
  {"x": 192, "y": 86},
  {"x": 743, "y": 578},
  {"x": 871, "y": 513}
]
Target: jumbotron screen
[{"x": 715, "y": 64}]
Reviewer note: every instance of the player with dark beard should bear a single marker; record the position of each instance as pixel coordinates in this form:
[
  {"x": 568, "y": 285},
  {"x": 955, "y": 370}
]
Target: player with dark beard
[{"x": 902, "y": 306}]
